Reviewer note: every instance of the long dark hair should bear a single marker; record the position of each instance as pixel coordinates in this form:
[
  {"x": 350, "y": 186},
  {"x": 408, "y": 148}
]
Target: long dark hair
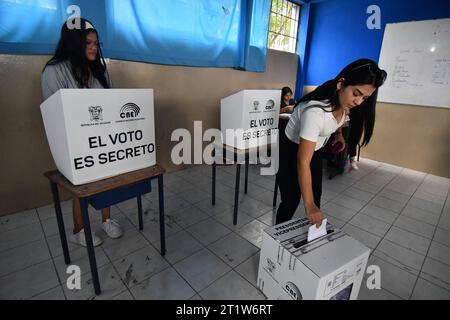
[
  {"x": 359, "y": 72},
  {"x": 72, "y": 47},
  {"x": 285, "y": 91}
]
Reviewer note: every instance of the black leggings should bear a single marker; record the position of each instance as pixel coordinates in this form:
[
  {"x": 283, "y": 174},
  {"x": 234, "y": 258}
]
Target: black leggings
[{"x": 288, "y": 178}]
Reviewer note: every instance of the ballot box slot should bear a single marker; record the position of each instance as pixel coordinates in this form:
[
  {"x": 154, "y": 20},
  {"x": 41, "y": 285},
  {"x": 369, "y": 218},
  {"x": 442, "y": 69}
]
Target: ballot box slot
[{"x": 319, "y": 242}]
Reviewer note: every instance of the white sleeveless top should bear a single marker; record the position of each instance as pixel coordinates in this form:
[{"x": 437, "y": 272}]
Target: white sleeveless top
[{"x": 311, "y": 122}]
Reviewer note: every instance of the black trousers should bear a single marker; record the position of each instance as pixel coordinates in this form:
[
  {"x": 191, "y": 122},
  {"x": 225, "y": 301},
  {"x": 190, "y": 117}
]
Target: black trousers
[{"x": 288, "y": 178}]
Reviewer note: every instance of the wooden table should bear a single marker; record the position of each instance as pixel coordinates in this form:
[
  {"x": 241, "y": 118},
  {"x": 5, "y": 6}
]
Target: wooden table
[{"x": 89, "y": 193}]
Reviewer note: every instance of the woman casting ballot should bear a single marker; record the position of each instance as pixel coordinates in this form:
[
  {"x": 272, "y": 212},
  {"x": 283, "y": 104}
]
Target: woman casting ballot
[{"x": 316, "y": 116}]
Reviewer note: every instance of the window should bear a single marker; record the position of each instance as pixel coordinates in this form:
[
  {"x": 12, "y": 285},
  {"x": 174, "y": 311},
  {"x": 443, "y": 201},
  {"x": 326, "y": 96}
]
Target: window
[{"x": 283, "y": 28}]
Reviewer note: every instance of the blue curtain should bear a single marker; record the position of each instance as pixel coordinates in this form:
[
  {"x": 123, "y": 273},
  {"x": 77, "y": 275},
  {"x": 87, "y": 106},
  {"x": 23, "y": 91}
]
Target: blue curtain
[
  {"x": 30, "y": 26},
  {"x": 33, "y": 26},
  {"x": 257, "y": 28},
  {"x": 206, "y": 33}
]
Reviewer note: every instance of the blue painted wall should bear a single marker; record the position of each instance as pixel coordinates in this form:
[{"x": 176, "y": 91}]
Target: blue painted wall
[{"x": 338, "y": 33}]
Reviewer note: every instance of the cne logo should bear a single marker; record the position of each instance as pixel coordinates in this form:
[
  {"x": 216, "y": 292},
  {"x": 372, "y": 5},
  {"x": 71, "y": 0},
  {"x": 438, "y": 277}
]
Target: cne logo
[
  {"x": 95, "y": 113},
  {"x": 293, "y": 291},
  {"x": 130, "y": 110},
  {"x": 270, "y": 104}
]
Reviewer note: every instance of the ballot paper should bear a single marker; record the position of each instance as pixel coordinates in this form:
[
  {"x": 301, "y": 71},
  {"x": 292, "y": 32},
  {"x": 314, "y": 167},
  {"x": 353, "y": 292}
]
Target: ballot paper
[
  {"x": 314, "y": 232},
  {"x": 285, "y": 116}
]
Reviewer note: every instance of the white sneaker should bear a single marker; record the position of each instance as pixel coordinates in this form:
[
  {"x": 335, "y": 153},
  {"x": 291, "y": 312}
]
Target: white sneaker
[
  {"x": 112, "y": 228},
  {"x": 80, "y": 238},
  {"x": 353, "y": 164}
]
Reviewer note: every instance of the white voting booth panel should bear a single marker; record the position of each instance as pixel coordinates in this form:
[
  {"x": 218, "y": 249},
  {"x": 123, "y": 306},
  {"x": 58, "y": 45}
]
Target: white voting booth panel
[
  {"x": 99, "y": 133},
  {"x": 251, "y": 115},
  {"x": 328, "y": 268}
]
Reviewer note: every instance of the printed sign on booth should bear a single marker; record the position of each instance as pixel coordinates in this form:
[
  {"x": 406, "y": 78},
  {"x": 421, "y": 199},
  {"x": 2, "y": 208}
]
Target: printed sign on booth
[
  {"x": 252, "y": 117},
  {"x": 97, "y": 133}
]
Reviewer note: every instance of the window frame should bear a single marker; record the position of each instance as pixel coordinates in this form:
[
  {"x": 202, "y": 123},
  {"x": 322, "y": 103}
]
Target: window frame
[{"x": 289, "y": 19}]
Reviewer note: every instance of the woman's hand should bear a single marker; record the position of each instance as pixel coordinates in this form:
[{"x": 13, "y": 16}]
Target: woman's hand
[
  {"x": 287, "y": 109},
  {"x": 314, "y": 214},
  {"x": 338, "y": 137}
]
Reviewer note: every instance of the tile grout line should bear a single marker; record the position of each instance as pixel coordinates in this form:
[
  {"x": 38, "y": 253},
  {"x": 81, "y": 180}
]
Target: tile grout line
[
  {"x": 242, "y": 238},
  {"x": 392, "y": 224},
  {"x": 392, "y": 293},
  {"x": 349, "y": 186},
  {"x": 253, "y": 219},
  {"x": 52, "y": 258},
  {"x": 117, "y": 271},
  {"x": 48, "y": 247},
  {"x": 203, "y": 247},
  {"x": 353, "y": 186},
  {"x": 163, "y": 257},
  {"x": 431, "y": 242},
  {"x": 35, "y": 264},
  {"x": 207, "y": 248},
  {"x": 234, "y": 268},
  {"x": 378, "y": 194},
  {"x": 417, "y": 278},
  {"x": 170, "y": 265},
  {"x": 129, "y": 253},
  {"x": 359, "y": 211}
]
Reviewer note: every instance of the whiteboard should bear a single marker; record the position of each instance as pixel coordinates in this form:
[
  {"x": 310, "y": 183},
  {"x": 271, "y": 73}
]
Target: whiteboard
[{"x": 416, "y": 57}]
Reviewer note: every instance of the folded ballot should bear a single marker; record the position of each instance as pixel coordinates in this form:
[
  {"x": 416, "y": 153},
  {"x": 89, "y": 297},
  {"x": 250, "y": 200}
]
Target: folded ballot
[{"x": 314, "y": 232}]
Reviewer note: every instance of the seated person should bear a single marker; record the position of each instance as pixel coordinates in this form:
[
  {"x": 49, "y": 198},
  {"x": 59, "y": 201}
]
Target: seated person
[{"x": 78, "y": 63}]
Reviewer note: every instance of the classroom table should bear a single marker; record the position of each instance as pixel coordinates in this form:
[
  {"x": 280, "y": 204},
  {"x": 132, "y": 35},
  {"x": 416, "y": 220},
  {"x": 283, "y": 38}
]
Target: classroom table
[{"x": 103, "y": 194}]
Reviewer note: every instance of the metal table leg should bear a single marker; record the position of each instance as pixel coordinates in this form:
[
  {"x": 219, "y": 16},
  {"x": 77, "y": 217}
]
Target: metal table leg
[
  {"x": 246, "y": 173},
  {"x": 141, "y": 220},
  {"x": 214, "y": 167},
  {"x": 59, "y": 219},
  {"x": 236, "y": 193},
  {"x": 161, "y": 214},
  {"x": 275, "y": 192},
  {"x": 90, "y": 246}
]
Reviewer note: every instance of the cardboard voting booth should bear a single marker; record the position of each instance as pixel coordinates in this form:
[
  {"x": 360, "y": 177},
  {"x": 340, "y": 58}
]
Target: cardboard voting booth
[
  {"x": 99, "y": 133},
  {"x": 328, "y": 268},
  {"x": 249, "y": 118}
]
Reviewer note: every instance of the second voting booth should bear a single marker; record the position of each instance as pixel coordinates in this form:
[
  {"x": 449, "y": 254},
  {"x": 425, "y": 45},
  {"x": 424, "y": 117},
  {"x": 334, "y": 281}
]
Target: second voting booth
[{"x": 249, "y": 118}]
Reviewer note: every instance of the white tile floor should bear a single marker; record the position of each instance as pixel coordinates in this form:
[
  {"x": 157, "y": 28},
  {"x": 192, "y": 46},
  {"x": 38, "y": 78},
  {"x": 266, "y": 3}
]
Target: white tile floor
[{"x": 401, "y": 214}]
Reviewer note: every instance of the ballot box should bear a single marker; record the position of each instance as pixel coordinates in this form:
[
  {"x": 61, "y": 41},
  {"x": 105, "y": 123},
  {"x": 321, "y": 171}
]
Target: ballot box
[
  {"x": 330, "y": 267},
  {"x": 249, "y": 118},
  {"x": 94, "y": 134}
]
